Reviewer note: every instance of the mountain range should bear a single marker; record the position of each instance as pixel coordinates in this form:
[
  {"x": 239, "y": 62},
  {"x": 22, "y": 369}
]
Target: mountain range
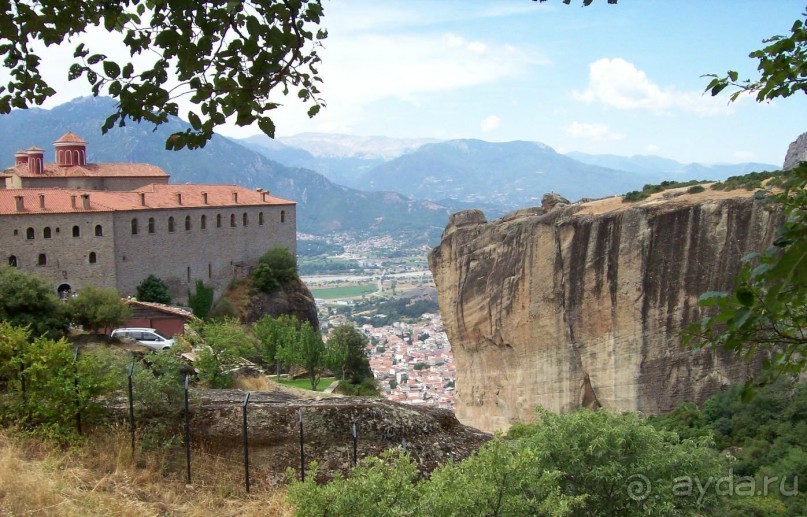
[
  {"x": 506, "y": 175},
  {"x": 360, "y": 184}
]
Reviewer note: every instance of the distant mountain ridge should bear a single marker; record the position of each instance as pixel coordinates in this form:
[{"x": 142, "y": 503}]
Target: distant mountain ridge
[
  {"x": 658, "y": 165},
  {"x": 512, "y": 174},
  {"x": 506, "y": 175},
  {"x": 323, "y": 207}
]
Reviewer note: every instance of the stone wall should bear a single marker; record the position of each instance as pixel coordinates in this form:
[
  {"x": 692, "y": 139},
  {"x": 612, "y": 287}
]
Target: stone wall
[
  {"x": 68, "y": 257},
  {"x": 582, "y": 305},
  {"x": 182, "y": 257}
]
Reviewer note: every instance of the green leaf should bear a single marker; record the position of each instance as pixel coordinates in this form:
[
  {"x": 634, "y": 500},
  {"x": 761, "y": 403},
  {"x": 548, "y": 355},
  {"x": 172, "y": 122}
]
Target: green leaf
[{"x": 111, "y": 69}]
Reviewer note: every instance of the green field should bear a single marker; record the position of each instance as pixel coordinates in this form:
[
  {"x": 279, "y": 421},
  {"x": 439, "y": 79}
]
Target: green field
[
  {"x": 305, "y": 384},
  {"x": 335, "y": 293}
]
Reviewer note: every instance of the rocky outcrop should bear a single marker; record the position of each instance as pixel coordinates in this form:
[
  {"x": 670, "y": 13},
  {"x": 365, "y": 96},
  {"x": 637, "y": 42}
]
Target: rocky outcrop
[
  {"x": 796, "y": 152},
  {"x": 293, "y": 299},
  {"x": 581, "y": 305},
  {"x": 432, "y": 436}
]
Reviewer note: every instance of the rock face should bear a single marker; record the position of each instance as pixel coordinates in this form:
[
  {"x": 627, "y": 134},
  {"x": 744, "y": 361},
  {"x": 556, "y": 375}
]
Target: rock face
[
  {"x": 293, "y": 299},
  {"x": 580, "y": 305},
  {"x": 433, "y": 436},
  {"x": 796, "y": 152}
]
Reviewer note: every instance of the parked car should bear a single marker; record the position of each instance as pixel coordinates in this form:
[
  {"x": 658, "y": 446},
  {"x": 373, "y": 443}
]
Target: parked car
[{"x": 147, "y": 337}]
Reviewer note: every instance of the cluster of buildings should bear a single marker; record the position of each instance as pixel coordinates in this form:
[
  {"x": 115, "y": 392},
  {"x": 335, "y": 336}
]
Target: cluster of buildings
[
  {"x": 412, "y": 363},
  {"x": 77, "y": 223}
]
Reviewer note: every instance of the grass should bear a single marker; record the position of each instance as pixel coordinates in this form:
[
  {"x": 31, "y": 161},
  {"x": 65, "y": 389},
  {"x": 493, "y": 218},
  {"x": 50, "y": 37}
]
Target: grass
[
  {"x": 335, "y": 293},
  {"x": 98, "y": 477},
  {"x": 305, "y": 384}
]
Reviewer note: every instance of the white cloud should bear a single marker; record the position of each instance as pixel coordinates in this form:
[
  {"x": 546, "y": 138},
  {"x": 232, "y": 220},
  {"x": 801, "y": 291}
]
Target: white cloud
[
  {"x": 619, "y": 84},
  {"x": 744, "y": 155},
  {"x": 595, "y": 132},
  {"x": 490, "y": 123},
  {"x": 652, "y": 148}
]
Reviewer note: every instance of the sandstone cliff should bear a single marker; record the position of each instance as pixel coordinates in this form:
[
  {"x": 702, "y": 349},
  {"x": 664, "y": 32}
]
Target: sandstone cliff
[
  {"x": 796, "y": 152},
  {"x": 580, "y": 305}
]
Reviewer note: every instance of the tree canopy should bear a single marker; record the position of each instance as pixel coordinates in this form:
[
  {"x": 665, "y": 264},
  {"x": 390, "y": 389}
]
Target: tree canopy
[
  {"x": 26, "y": 300},
  {"x": 153, "y": 289},
  {"x": 96, "y": 308},
  {"x": 225, "y": 57}
]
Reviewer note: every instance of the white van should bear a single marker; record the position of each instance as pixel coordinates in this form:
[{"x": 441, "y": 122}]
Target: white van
[{"x": 149, "y": 338}]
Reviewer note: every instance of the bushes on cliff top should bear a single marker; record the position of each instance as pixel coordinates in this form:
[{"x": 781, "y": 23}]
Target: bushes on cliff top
[{"x": 275, "y": 268}]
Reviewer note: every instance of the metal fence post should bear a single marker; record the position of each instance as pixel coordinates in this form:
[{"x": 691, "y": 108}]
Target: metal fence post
[
  {"x": 78, "y": 392},
  {"x": 131, "y": 408},
  {"x": 355, "y": 445},
  {"x": 246, "y": 441},
  {"x": 187, "y": 432},
  {"x": 302, "y": 450}
]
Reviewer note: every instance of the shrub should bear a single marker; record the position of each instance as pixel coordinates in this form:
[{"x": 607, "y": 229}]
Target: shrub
[
  {"x": 695, "y": 189},
  {"x": 582, "y": 463},
  {"x": 28, "y": 301},
  {"x": 634, "y": 195},
  {"x": 95, "y": 309},
  {"x": 201, "y": 301},
  {"x": 152, "y": 289},
  {"x": 275, "y": 268}
]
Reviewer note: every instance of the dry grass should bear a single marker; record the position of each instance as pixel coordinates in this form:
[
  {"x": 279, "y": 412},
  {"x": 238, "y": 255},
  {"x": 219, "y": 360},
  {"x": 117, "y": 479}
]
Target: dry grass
[
  {"x": 100, "y": 478},
  {"x": 255, "y": 383}
]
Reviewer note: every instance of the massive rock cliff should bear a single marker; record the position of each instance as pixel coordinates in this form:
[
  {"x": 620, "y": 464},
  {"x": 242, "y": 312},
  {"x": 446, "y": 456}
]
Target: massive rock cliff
[{"x": 566, "y": 306}]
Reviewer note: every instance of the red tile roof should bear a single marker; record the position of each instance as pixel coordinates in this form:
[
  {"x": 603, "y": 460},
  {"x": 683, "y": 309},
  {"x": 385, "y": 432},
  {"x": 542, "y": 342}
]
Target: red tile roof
[
  {"x": 156, "y": 197},
  {"x": 70, "y": 138},
  {"x": 99, "y": 170}
]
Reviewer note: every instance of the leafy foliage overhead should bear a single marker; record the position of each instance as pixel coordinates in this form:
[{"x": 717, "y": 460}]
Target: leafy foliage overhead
[
  {"x": 226, "y": 57},
  {"x": 782, "y": 67}
]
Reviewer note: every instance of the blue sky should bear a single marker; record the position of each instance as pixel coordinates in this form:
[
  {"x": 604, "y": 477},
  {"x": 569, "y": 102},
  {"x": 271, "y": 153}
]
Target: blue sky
[{"x": 621, "y": 79}]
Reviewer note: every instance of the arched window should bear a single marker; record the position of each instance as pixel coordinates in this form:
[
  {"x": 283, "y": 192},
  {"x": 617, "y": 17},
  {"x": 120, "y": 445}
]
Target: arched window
[
  {"x": 260, "y": 218},
  {"x": 99, "y": 231},
  {"x": 170, "y": 225},
  {"x": 232, "y": 220},
  {"x": 46, "y": 232},
  {"x": 12, "y": 261},
  {"x": 187, "y": 223},
  {"x": 93, "y": 258},
  {"x": 42, "y": 260},
  {"x": 29, "y": 234},
  {"x": 203, "y": 222},
  {"x": 218, "y": 220},
  {"x": 134, "y": 226},
  {"x": 76, "y": 231},
  {"x": 151, "y": 225},
  {"x": 245, "y": 219},
  {"x": 282, "y": 216}
]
